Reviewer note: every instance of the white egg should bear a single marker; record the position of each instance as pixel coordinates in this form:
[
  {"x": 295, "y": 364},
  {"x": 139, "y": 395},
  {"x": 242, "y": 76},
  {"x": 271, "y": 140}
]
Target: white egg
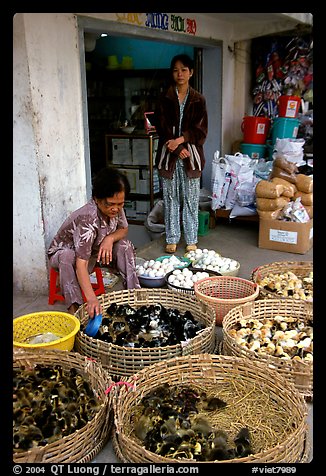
[
  {"x": 165, "y": 261},
  {"x": 160, "y": 273},
  {"x": 188, "y": 284},
  {"x": 151, "y": 262},
  {"x": 171, "y": 279},
  {"x": 194, "y": 278},
  {"x": 140, "y": 270},
  {"x": 177, "y": 272},
  {"x": 151, "y": 273},
  {"x": 186, "y": 271}
]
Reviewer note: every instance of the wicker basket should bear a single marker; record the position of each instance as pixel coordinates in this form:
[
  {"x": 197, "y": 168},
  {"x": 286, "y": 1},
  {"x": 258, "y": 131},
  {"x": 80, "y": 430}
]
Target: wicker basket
[
  {"x": 299, "y": 373},
  {"x": 204, "y": 371},
  {"x": 225, "y": 292},
  {"x": 125, "y": 361},
  {"x": 299, "y": 268},
  {"x": 59, "y": 323},
  {"x": 84, "y": 444}
]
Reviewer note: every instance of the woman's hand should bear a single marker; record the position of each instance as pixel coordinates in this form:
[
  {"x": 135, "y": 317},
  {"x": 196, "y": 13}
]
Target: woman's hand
[
  {"x": 184, "y": 154},
  {"x": 105, "y": 251},
  {"x": 93, "y": 307}
]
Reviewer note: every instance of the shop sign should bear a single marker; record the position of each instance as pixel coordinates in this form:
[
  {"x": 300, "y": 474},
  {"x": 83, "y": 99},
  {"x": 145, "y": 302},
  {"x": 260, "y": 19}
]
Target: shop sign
[{"x": 160, "y": 21}]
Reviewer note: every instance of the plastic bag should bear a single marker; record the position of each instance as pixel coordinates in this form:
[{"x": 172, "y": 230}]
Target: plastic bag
[
  {"x": 290, "y": 149},
  {"x": 240, "y": 170},
  {"x": 155, "y": 219},
  {"x": 220, "y": 181}
]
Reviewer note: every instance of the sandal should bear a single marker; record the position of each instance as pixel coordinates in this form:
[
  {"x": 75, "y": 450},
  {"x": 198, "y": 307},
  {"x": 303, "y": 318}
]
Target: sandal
[
  {"x": 171, "y": 248},
  {"x": 191, "y": 247}
]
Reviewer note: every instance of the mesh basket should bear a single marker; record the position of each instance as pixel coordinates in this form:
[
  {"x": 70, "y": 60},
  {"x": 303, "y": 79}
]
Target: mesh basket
[
  {"x": 298, "y": 372},
  {"x": 61, "y": 324},
  {"x": 300, "y": 268},
  {"x": 125, "y": 361},
  {"x": 225, "y": 292},
  {"x": 85, "y": 443},
  {"x": 251, "y": 386}
]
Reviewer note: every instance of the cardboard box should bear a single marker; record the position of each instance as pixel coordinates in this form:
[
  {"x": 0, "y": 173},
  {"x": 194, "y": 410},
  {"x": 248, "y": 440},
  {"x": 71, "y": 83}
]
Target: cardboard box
[{"x": 286, "y": 236}]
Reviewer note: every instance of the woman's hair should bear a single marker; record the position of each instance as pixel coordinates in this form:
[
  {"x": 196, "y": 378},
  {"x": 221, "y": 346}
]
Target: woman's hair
[
  {"x": 108, "y": 182},
  {"x": 184, "y": 59}
]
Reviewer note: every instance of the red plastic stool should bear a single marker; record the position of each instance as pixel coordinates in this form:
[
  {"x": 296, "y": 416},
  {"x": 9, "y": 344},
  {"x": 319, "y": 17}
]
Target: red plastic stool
[{"x": 54, "y": 286}]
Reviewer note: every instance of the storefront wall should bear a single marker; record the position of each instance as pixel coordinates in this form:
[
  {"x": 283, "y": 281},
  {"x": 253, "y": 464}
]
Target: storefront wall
[{"x": 51, "y": 156}]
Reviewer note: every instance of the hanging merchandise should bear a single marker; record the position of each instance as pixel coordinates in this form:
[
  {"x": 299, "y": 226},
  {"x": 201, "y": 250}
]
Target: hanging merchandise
[{"x": 283, "y": 71}]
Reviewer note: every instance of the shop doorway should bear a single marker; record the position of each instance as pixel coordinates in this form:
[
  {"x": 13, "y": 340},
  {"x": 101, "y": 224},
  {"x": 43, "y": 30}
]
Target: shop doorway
[{"x": 208, "y": 79}]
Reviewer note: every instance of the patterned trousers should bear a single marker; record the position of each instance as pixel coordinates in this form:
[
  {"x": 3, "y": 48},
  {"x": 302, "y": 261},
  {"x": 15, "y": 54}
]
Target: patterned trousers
[
  {"x": 181, "y": 193},
  {"x": 64, "y": 260}
]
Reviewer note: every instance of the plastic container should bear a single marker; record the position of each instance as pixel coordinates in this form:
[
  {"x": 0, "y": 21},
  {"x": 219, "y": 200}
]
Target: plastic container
[
  {"x": 288, "y": 106},
  {"x": 255, "y": 151},
  {"x": 203, "y": 223},
  {"x": 284, "y": 128},
  {"x": 255, "y": 129},
  {"x": 62, "y": 324}
]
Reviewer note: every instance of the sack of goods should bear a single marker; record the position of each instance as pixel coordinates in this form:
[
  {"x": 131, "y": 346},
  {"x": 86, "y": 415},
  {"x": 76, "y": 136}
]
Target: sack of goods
[{"x": 286, "y": 195}]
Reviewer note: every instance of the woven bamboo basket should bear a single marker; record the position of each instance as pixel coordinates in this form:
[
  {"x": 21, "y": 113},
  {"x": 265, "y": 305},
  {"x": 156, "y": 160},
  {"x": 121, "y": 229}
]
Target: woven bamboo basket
[
  {"x": 300, "y": 373},
  {"x": 126, "y": 361},
  {"x": 280, "y": 436},
  {"x": 224, "y": 293},
  {"x": 299, "y": 268},
  {"x": 85, "y": 443}
]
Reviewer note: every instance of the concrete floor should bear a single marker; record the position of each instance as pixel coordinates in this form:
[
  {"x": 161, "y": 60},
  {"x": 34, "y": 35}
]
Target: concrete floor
[{"x": 236, "y": 239}]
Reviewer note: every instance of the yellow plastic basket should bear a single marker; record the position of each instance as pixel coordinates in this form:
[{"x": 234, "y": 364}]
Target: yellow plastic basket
[{"x": 60, "y": 323}]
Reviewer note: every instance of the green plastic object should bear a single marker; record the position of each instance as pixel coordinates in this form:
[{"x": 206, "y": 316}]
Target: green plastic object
[{"x": 203, "y": 223}]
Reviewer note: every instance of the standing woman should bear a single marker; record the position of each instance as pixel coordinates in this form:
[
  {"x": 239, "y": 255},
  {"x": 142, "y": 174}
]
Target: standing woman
[
  {"x": 181, "y": 123},
  {"x": 95, "y": 232}
]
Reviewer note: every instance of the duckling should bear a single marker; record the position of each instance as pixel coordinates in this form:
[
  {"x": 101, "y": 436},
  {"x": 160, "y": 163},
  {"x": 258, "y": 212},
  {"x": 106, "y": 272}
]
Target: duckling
[
  {"x": 214, "y": 403},
  {"x": 219, "y": 447},
  {"x": 201, "y": 425},
  {"x": 143, "y": 426},
  {"x": 242, "y": 442}
]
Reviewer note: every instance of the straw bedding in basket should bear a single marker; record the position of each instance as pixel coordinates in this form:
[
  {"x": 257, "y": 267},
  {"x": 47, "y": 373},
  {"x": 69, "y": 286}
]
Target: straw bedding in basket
[
  {"x": 300, "y": 373},
  {"x": 260, "y": 399},
  {"x": 125, "y": 361},
  {"x": 85, "y": 443}
]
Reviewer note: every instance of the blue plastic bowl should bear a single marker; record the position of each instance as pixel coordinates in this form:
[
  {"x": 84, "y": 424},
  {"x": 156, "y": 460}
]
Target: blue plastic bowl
[{"x": 93, "y": 325}]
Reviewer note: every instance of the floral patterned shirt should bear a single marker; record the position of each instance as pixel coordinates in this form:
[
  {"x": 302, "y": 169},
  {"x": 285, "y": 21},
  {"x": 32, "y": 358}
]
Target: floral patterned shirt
[{"x": 85, "y": 229}]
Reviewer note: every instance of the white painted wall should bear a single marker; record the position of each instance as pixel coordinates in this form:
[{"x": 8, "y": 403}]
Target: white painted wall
[
  {"x": 49, "y": 165},
  {"x": 50, "y": 160}
]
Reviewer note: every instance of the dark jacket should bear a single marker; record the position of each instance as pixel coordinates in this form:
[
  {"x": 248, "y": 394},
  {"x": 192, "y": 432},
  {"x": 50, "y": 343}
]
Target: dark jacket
[{"x": 193, "y": 128}]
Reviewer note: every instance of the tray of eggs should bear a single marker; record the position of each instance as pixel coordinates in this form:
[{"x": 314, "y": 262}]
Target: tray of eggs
[
  {"x": 183, "y": 280},
  {"x": 211, "y": 260},
  {"x": 151, "y": 273}
]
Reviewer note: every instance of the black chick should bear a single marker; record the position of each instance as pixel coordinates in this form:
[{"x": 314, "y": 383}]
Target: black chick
[
  {"x": 214, "y": 403},
  {"x": 243, "y": 444},
  {"x": 219, "y": 449}
]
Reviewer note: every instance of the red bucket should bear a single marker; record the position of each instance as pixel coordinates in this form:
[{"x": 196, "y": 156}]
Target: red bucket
[
  {"x": 288, "y": 106},
  {"x": 255, "y": 129}
]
